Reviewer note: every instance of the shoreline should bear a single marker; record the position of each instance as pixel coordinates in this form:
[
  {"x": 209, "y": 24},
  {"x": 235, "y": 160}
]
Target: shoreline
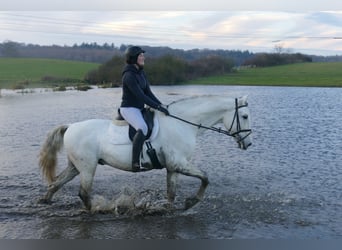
[{"x": 41, "y": 90}]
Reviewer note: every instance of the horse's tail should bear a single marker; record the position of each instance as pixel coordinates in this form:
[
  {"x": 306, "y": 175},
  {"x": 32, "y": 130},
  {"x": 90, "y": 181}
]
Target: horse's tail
[{"x": 48, "y": 153}]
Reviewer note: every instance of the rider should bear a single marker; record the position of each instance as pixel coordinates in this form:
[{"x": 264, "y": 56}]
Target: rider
[{"x": 136, "y": 93}]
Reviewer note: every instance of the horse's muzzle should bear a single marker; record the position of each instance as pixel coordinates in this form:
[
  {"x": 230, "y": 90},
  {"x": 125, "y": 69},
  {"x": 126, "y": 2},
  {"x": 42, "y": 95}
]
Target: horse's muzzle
[
  {"x": 243, "y": 145},
  {"x": 246, "y": 146}
]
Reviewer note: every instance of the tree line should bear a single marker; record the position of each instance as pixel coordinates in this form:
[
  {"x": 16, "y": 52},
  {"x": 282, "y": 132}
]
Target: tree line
[
  {"x": 274, "y": 59},
  {"x": 172, "y": 69},
  {"x": 83, "y": 52},
  {"x": 163, "y": 70},
  {"x": 164, "y": 65},
  {"x": 93, "y": 52}
]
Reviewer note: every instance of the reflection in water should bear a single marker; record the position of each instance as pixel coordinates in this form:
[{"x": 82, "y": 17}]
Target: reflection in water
[
  {"x": 105, "y": 227},
  {"x": 287, "y": 185}
]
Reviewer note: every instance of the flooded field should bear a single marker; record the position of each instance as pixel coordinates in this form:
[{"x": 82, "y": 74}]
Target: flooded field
[{"x": 287, "y": 185}]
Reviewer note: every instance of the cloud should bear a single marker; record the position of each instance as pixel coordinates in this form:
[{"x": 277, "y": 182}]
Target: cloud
[
  {"x": 252, "y": 30},
  {"x": 329, "y": 18},
  {"x": 198, "y": 5}
]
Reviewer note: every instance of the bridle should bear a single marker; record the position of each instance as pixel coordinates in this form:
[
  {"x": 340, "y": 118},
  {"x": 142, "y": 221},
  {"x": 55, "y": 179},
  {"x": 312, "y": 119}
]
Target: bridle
[
  {"x": 222, "y": 131},
  {"x": 238, "y": 125}
]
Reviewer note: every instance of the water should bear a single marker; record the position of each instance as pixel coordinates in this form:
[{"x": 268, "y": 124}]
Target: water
[{"x": 286, "y": 185}]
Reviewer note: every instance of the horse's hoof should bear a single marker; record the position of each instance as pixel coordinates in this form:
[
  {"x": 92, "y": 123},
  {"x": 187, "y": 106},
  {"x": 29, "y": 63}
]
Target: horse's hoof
[
  {"x": 44, "y": 201},
  {"x": 86, "y": 211},
  {"x": 169, "y": 206},
  {"x": 190, "y": 202}
]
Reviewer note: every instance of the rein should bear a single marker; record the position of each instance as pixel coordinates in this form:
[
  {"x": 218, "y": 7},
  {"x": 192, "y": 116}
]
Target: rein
[{"x": 219, "y": 130}]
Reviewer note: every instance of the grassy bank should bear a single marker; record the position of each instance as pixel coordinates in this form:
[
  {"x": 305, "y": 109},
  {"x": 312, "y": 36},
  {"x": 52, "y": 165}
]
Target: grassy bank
[
  {"x": 303, "y": 74},
  {"x": 33, "y": 72}
]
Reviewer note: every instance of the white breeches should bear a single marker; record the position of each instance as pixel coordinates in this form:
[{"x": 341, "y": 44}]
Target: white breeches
[{"x": 134, "y": 117}]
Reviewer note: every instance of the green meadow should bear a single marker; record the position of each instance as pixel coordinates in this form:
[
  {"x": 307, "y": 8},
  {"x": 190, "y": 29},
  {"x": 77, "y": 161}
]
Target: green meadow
[
  {"x": 33, "y": 72},
  {"x": 327, "y": 74}
]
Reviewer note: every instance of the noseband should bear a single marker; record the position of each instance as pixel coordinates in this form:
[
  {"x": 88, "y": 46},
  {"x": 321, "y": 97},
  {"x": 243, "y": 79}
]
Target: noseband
[{"x": 219, "y": 130}]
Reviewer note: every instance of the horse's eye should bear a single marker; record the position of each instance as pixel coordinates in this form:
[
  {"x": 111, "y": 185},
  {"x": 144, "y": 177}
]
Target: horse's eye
[{"x": 245, "y": 117}]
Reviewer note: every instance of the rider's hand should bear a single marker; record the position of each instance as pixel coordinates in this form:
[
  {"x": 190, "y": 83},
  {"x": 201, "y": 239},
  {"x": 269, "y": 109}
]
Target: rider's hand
[{"x": 164, "y": 110}]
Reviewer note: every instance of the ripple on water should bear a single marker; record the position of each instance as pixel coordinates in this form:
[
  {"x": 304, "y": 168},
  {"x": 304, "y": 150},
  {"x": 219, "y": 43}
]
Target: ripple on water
[{"x": 286, "y": 185}]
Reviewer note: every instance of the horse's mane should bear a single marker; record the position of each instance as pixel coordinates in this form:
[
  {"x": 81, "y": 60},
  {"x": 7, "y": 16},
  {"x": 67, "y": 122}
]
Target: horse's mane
[
  {"x": 189, "y": 99},
  {"x": 199, "y": 103}
]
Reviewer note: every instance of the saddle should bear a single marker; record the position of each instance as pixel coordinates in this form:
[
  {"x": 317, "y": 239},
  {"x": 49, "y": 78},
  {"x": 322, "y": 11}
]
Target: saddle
[{"x": 148, "y": 116}]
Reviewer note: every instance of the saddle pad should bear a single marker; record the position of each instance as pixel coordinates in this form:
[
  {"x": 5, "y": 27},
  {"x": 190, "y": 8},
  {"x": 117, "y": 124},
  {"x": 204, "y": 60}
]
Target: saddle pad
[{"x": 118, "y": 135}]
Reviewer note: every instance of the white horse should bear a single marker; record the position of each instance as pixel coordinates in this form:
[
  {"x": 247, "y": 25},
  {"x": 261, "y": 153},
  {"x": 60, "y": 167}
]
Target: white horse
[{"x": 90, "y": 142}]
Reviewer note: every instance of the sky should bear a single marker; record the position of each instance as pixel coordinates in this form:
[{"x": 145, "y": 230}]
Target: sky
[{"x": 254, "y": 25}]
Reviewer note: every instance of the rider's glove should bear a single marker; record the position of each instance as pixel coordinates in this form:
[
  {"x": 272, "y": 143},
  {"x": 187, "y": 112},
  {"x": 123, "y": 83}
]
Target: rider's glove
[{"x": 164, "y": 110}]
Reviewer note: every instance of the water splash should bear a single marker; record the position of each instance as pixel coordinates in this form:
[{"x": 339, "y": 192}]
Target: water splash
[{"x": 130, "y": 202}]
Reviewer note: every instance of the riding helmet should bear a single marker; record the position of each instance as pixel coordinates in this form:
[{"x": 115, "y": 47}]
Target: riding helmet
[{"x": 132, "y": 54}]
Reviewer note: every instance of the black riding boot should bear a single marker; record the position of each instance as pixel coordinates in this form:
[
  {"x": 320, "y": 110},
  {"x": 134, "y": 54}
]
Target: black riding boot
[{"x": 138, "y": 142}]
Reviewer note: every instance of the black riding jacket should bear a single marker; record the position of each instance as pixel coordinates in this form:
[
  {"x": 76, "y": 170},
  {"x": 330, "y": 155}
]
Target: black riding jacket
[{"x": 136, "y": 90}]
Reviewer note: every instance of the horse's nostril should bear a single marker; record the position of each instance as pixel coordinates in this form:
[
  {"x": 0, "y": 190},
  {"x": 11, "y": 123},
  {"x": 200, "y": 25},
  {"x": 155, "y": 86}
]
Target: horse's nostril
[{"x": 245, "y": 146}]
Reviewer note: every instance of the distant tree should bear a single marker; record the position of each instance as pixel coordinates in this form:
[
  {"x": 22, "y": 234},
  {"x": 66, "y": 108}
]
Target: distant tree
[
  {"x": 167, "y": 70},
  {"x": 123, "y": 47},
  {"x": 10, "y": 49},
  {"x": 273, "y": 59},
  {"x": 211, "y": 65},
  {"x": 164, "y": 70},
  {"x": 109, "y": 72},
  {"x": 279, "y": 49}
]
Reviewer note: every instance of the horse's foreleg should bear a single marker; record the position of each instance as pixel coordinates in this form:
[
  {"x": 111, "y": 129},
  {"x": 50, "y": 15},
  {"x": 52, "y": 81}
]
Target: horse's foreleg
[
  {"x": 65, "y": 176},
  {"x": 190, "y": 202},
  {"x": 85, "y": 197},
  {"x": 171, "y": 186}
]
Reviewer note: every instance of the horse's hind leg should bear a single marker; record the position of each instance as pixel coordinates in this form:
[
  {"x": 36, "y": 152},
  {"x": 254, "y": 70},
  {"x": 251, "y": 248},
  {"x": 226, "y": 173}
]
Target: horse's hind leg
[
  {"x": 86, "y": 185},
  {"x": 65, "y": 176}
]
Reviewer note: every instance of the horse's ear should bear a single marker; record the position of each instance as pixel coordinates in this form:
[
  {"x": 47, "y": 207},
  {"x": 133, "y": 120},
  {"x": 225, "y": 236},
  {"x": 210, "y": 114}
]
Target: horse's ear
[{"x": 244, "y": 99}]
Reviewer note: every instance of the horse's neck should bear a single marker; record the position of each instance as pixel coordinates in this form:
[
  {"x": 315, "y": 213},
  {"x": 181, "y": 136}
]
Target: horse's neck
[{"x": 205, "y": 110}]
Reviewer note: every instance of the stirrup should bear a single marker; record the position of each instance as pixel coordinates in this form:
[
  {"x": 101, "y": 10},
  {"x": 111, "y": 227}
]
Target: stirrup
[
  {"x": 140, "y": 169},
  {"x": 136, "y": 167}
]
